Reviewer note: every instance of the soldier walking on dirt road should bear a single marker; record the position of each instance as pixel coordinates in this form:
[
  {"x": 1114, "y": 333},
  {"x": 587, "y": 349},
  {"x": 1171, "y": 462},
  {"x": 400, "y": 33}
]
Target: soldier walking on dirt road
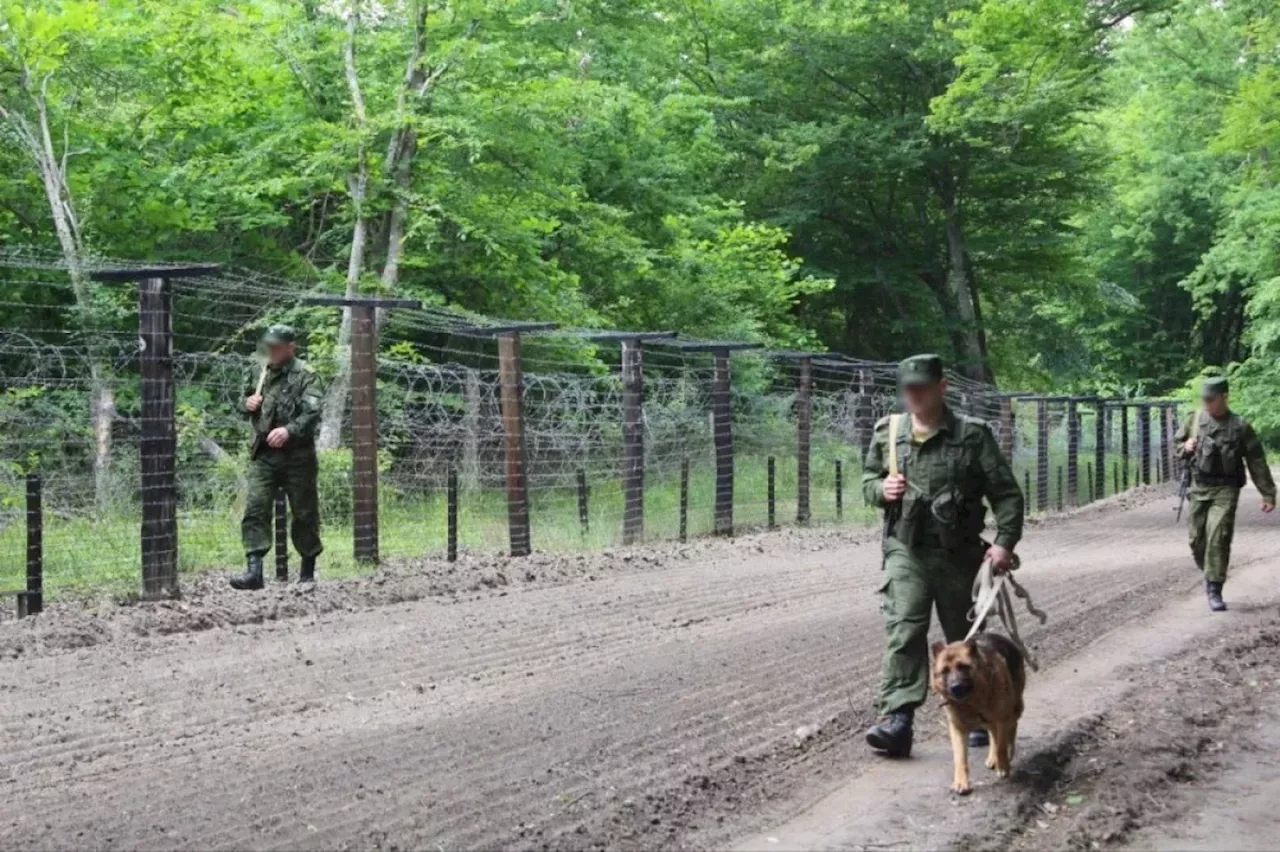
[
  {"x": 930, "y": 470},
  {"x": 1218, "y": 445},
  {"x": 285, "y": 412}
]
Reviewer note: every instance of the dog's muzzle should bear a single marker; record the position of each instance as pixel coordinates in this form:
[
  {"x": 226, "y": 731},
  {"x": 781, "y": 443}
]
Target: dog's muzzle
[{"x": 959, "y": 689}]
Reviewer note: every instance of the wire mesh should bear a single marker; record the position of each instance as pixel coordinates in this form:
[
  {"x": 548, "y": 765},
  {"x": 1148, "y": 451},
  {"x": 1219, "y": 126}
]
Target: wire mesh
[{"x": 72, "y": 409}]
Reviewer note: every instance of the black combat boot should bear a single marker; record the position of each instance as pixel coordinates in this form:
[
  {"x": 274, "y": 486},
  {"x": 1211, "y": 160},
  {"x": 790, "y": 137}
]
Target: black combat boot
[
  {"x": 307, "y": 573},
  {"x": 251, "y": 579},
  {"x": 979, "y": 738},
  {"x": 893, "y": 735},
  {"x": 1214, "y": 592}
]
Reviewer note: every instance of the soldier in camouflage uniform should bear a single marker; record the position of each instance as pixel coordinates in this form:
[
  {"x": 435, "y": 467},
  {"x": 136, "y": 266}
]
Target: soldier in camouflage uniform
[
  {"x": 1219, "y": 444},
  {"x": 285, "y": 416},
  {"x": 934, "y": 518}
]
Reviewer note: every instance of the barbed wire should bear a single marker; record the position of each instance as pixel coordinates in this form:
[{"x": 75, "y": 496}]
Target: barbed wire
[{"x": 70, "y": 408}]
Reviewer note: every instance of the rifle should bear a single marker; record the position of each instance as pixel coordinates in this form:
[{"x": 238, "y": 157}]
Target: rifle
[
  {"x": 1193, "y": 431},
  {"x": 1182, "y": 489}
]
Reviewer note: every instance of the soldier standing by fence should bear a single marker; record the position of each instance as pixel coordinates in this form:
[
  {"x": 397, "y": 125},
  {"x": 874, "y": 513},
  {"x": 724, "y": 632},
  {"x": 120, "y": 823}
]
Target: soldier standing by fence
[
  {"x": 284, "y": 409},
  {"x": 1219, "y": 445},
  {"x": 930, "y": 470}
]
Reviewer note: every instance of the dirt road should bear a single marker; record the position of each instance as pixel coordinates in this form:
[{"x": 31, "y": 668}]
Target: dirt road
[{"x": 655, "y": 698}]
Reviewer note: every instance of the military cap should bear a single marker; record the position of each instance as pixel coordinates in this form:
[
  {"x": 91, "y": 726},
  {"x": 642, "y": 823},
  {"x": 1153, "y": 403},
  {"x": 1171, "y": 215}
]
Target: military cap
[
  {"x": 277, "y": 334},
  {"x": 1214, "y": 386},
  {"x": 920, "y": 370}
]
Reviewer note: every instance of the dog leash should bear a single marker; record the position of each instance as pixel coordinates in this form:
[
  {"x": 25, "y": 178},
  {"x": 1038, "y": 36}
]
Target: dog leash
[{"x": 993, "y": 590}]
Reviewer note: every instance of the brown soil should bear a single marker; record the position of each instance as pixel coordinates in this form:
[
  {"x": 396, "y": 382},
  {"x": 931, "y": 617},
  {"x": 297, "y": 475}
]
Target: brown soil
[
  {"x": 683, "y": 696},
  {"x": 1144, "y": 772}
]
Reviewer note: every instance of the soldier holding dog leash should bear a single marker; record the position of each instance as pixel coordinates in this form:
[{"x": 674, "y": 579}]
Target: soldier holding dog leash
[{"x": 930, "y": 470}]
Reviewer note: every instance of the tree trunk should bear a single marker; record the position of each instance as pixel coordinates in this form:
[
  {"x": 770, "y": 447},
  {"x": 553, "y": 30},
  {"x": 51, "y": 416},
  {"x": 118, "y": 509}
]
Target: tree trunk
[
  {"x": 38, "y": 141},
  {"x": 335, "y": 402},
  {"x": 971, "y": 351}
]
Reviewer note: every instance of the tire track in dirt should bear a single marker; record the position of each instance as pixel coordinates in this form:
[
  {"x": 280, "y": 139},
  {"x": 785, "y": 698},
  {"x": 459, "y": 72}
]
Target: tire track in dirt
[{"x": 518, "y": 719}]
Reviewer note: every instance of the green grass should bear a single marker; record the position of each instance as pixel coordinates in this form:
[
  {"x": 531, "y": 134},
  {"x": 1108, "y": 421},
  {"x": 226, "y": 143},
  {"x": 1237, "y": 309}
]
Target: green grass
[{"x": 103, "y": 555}]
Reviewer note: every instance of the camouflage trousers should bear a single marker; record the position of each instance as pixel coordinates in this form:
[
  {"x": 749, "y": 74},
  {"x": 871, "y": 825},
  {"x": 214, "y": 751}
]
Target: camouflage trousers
[
  {"x": 1211, "y": 524},
  {"x": 296, "y": 473},
  {"x": 915, "y": 583}
]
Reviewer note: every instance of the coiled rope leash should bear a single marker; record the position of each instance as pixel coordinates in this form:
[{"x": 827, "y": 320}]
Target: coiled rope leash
[{"x": 992, "y": 590}]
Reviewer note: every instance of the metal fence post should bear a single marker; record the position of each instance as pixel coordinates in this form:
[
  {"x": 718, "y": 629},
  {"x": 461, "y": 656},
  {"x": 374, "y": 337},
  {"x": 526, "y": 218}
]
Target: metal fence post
[
  {"x": 31, "y": 602},
  {"x": 1100, "y": 450},
  {"x": 584, "y": 512},
  {"x": 773, "y": 514},
  {"x": 451, "y": 541},
  {"x": 1144, "y": 440},
  {"x": 1042, "y": 454},
  {"x": 722, "y": 419},
  {"x": 364, "y": 412},
  {"x": 511, "y": 372},
  {"x": 804, "y": 426},
  {"x": 1124, "y": 444},
  {"x": 1073, "y": 454},
  {"x": 159, "y": 439},
  {"x": 632, "y": 441},
  {"x": 282, "y": 536}
]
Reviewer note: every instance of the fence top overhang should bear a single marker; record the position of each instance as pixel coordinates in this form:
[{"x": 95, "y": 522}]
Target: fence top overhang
[
  {"x": 508, "y": 328},
  {"x": 139, "y": 273},
  {"x": 712, "y": 345},
  {"x": 363, "y": 302},
  {"x": 637, "y": 336}
]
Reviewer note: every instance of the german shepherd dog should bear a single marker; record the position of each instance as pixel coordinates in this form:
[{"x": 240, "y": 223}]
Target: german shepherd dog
[{"x": 980, "y": 682}]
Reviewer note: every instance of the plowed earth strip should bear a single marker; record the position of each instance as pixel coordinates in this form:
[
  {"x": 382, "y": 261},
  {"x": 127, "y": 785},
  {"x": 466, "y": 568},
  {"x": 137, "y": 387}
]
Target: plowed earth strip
[{"x": 647, "y": 706}]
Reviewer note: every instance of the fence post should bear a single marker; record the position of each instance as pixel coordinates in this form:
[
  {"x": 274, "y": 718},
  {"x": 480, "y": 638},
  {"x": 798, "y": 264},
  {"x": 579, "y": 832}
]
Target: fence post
[
  {"x": 584, "y": 514},
  {"x": 364, "y": 432},
  {"x": 632, "y": 441},
  {"x": 363, "y": 311},
  {"x": 804, "y": 426},
  {"x": 159, "y": 442},
  {"x": 1042, "y": 454},
  {"x": 773, "y": 515},
  {"x": 1092, "y": 490},
  {"x": 511, "y": 373},
  {"x": 839, "y": 489},
  {"x": 1006, "y": 427},
  {"x": 684, "y": 500},
  {"x": 1124, "y": 444},
  {"x": 1115, "y": 475},
  {"x": 1166, "y": 442},
  {"x": 864, "y": 421},
  {"x": 1061, "y": 504},
  {"x": 1073, "y": 453},
  {"x": 1026, "y": 489},
  {"x": 1144, "y": 439},
  {"x": 451, "y": 541},
  {"x": 282, "y": 537},
  {"x": 722, "y": 419},
  {"x": 1100, "y": 450},
  {"x": 31, "y": 601}
]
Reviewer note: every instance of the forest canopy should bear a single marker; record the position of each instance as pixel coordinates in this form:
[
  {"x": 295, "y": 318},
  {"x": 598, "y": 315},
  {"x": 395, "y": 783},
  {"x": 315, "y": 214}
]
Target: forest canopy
[{"x": 1067, "y": 194}]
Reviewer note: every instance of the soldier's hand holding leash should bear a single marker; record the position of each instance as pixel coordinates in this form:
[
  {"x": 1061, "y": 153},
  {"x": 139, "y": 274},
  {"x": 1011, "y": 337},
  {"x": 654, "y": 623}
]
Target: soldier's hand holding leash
[
  {"x": 277, "y": 437},
  {"x": 253, "y": 403},
  {"x": 1000, "y": 558}
]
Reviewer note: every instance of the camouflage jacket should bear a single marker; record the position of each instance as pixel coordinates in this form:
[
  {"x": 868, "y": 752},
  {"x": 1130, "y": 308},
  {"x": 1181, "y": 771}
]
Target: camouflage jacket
[
  {"x": 291, "y": 398},
  {"x": 948, "y": 475},
  {"x": 1224, "y": 449}
]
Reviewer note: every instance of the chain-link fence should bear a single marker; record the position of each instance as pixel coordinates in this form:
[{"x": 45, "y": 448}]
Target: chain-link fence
[{"x": 124, "y": 402}]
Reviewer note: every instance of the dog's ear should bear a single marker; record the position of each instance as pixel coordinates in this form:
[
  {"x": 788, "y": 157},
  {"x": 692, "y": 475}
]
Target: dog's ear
[
  {"x": 972, "y": 645},
  {"x": 937, "y": 648}
]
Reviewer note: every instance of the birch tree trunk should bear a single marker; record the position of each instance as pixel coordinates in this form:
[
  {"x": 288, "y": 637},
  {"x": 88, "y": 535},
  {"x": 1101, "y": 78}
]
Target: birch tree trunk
[
  {"x": 335, "y": 403},
  {"x": 52, "y": 167}
]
